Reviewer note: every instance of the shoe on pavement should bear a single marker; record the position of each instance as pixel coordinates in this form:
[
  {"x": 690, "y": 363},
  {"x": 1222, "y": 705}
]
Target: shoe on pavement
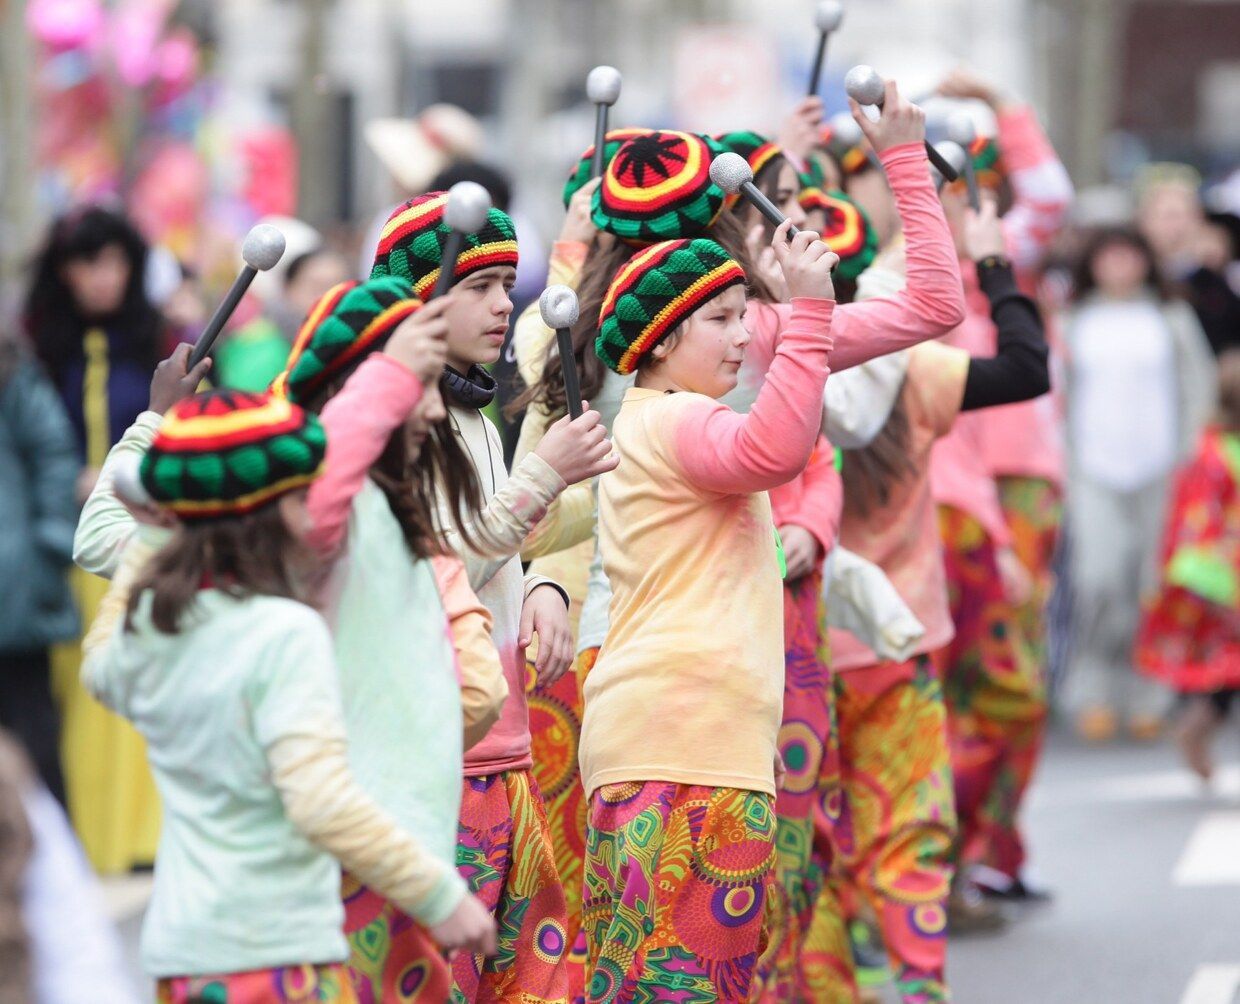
[
  {"x": 995, "y": 885},
  {"x": 1097, "y": 725},
  {"x": 1146, "y": 728},
  {"x": 969, "y": 912}
]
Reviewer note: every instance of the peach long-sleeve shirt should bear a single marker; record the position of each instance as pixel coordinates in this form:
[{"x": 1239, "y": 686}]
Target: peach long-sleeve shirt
[{"x": 689, "y": 685}]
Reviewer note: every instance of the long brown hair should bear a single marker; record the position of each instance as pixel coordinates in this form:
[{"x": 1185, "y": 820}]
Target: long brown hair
[
  {"x": 1229, "y": 390},
  {"x": 250, "y": 555},
  {"x": 600, "y": 268},
  {"x": 872, "y": 473},
  {"x": 412, "y": 486}
]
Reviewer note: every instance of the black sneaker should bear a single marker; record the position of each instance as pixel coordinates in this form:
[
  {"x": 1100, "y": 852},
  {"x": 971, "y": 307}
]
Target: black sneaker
[
  {"x": 869, "y": 956},
  {"x": 994, "y": 885}
]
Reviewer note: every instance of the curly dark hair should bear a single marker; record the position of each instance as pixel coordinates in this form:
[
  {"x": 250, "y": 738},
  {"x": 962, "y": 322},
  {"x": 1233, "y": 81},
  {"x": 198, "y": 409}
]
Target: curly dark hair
[{"x": 52, "y": 318}]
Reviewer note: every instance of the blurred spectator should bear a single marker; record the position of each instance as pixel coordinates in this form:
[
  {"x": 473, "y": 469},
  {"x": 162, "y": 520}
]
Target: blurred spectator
[
  {"x": 94, "y": 327},
  {"x": 1139, "y": 388},
  {"x": 96, "y": 330},
  {"x": 185, "y": 309},
  {"x": 1191, "y": 250},
  {"x": 38, "y": 468},
  {"x": 307, "y": 278}
]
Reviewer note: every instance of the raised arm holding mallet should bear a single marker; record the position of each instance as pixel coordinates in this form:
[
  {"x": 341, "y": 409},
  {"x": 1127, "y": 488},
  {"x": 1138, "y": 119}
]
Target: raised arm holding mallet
[
  {"x": 962, "y": 131},
  {"x": 732, "y": 173},
  {"x": 954, "y": 154},
  {"x": 603, "y": 90},
  {"x": 866, "y": 87},
  {"x": 465, "y": 212},
  {"x": 262, "y": 248},
  {"x": 559, "y": 309},
  {"x": 826, "y": 18}
]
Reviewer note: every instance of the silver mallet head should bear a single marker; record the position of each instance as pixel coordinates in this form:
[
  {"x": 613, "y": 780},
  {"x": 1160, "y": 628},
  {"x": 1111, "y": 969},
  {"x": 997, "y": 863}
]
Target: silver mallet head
[
  {"x": 844, "y": 129},
  {"x": 603, "y": 85},
  {"x": 864, "y": 85},
  {"x": 961, "y": 129},
  {"x": 954, "y": 154},
  {"x": 127, "y": 481},
  {"x": 263, "y": 247},
  {"x": 730, "y": 171},
  {"x": 828, "y": 15},
  {"x": 467, "y": 208},
  {"x": 558, "y": 306}
]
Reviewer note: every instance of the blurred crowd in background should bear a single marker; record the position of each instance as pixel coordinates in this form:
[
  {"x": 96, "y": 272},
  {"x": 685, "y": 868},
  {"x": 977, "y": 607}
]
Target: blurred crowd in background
[{"x": 140, "y": 140}]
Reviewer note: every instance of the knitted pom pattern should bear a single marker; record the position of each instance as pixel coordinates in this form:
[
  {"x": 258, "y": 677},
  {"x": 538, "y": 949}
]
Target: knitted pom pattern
[{"x": 654, "y": 292}]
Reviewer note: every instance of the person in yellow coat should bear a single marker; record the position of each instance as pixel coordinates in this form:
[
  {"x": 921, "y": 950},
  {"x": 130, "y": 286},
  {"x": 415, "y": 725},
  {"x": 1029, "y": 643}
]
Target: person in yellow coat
[{"x": 99, "y": 337}]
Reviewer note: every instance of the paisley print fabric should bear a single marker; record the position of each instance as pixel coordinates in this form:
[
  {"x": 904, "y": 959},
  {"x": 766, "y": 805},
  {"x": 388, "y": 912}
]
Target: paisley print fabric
[
  {"x": 504, "y": 852},
  {"x": 392, "y": 958},
  {"x": 995, "y": 694},
  {"x": 328, "y": 984},
  {"x": 555, "y": 728},
  {"x": 892, "y": 833},
  {"x": 675, "y": 894}
]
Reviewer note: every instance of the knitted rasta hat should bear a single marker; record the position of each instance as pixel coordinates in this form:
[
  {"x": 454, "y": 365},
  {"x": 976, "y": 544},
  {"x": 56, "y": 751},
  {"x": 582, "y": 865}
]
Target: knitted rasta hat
[
  {"x": 227, "y": 453},
  {"x": 349, "y": 321},
  {"x": 657, "y": 188},
  {"x": 847, "y": 230},
  {"x": 984, "y": 152},
  {"x": 757, "y": 150},
  {"x": 414, "y": 236},
  {"x": 612, "y": 141},
  {"x": 655, "y": 291},
  {"x": 850, "y": 156}
]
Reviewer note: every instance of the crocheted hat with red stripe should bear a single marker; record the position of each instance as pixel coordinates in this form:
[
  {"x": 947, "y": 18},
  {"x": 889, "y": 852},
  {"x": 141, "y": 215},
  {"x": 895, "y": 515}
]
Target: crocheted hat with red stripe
[
  {"x": 348, "y": 322},
  {"x": 757, "y": 150},
  {"x": 655, "y": 291},
  {"x": 846, "y": 229},
  {"x": 850, "y": 156},
  {"x": 657, "y": 188},
  {"x": 985, "y": 154},
  {"x": 227, "y": 453},
  {"x": 612, "y": 141},
  {"x": 414, "y": 236}
]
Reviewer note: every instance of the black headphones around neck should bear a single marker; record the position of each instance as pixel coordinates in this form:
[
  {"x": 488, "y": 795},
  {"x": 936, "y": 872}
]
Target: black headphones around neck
[{"x": 475, "y": 389}]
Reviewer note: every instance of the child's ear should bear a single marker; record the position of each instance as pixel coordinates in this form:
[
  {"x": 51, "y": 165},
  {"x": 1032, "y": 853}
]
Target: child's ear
[{"x": 660, "y": 351}]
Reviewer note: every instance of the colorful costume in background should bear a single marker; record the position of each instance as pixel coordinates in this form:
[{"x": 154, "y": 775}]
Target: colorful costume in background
[
  {"x": 1190, "y": 634},
  {"x": 993, "y": 678}
]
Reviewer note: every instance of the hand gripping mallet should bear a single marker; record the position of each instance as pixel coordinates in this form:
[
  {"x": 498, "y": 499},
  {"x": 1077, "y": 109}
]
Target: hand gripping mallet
[
  {"x": 826, "y": 18},
  {"x": 603, "y": 90},
  {"x": 465, "y": 213},
  {"x": 731, "y": 172},
  {"x": 866, "y": 87},
  {"x": 961, "y": 130},
  {"x": 954, "y": 154},
  {"x": 559, "y": 309},
  {"x": 262, "y": 248}
]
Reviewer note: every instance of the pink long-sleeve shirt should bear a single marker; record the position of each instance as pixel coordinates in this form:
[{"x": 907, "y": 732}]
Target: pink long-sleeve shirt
[
  {"x": 1020, "y": 439},
  {"x": 814, "y": 499},
  {"x": 689, "y": 684}
]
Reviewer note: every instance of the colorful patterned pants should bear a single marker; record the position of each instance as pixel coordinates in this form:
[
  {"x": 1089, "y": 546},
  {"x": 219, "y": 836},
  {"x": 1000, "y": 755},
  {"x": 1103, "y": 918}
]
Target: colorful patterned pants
[
  {"x": 676, "y": 881},
  {"x": 895, "y": 827},
  {"x": 810, "y": 747},
  {"x": 391, "y": 956},
  {"x": 326, "y": 984},
  {"x": 1034, "y": 511},
  {"x": 555, "y": 727},
  {"x": 995, "y": 694},
  {"x": 504, "y": 852}
]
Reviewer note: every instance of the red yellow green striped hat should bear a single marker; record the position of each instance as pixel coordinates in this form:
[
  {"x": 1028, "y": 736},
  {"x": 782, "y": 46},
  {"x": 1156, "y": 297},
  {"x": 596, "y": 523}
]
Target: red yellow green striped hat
[
  {"x": 227, "y": 453},
  {"x": 658, "y": 188},
  {"x": 851, "y": 157},
  {"x": 414, "y": 236},
  {"x": 612, "y": 141},
  {"x": 349, "y": 321},
  {"x": 847, "y": 230},
  {"x": 656, "y": 290},
  {"x": 757, "y": 150}
]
